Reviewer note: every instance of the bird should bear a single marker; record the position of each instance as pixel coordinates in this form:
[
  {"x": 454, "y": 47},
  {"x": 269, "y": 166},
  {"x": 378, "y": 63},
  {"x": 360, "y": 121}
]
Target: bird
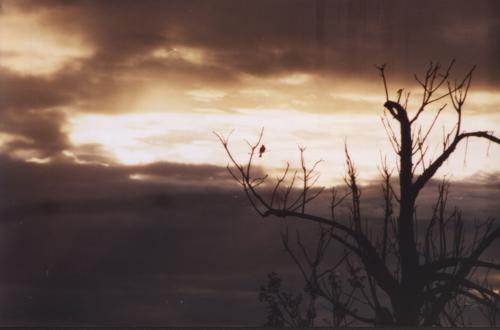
[{"x": 262, "y": 150}]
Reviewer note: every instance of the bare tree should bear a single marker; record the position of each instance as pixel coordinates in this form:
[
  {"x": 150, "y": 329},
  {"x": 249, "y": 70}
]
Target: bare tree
[{"x": 394, "y": 273}]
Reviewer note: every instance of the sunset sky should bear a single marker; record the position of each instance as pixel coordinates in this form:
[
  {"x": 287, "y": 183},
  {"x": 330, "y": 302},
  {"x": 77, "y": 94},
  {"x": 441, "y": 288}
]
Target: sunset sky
[{"x": 107, "y": 114}]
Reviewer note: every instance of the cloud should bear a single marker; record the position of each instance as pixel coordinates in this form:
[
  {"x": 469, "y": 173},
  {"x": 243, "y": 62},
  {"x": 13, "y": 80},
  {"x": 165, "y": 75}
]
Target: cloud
[
  {"x": 149, "y": 56},
  {"x": 91, "y": 243},
  {"x": 263, "y": 38},
  {"x": 135, "y": 246},
  {"x": 206, "y": 95},
  {"x": 30, "y": 47}
]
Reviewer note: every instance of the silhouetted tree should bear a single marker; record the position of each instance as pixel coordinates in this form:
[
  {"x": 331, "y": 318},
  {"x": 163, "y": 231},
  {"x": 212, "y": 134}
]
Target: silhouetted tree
[
  {"x": 394, "y": 274},
  {"x": 284, "y": 309}
]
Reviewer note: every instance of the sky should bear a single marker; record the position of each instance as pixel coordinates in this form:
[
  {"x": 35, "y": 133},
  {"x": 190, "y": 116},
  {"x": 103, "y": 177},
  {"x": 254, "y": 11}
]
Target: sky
[{"x": 114, "y": 195}]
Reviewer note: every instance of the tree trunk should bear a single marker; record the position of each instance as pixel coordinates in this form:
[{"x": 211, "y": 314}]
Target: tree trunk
[{"x": 406, "y": 306}]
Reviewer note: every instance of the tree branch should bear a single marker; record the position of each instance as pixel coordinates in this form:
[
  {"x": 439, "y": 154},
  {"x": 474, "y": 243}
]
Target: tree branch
[{"x": 431, "y": 170}]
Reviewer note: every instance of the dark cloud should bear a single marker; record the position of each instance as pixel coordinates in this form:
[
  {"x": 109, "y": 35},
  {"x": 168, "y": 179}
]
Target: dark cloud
[
  {"x": 87, "y": 245},
  {"x": 271, "y": 37},
  {"x": 30, "y": 110},
  {"x": 89, "y": 233},
  {"x": 20, "y": 92},
  {"x": 37, "y": 132}
]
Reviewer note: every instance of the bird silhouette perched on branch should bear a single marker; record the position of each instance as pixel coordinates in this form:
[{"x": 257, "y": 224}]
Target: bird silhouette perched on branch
[{"x": 262, "y": 150}]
